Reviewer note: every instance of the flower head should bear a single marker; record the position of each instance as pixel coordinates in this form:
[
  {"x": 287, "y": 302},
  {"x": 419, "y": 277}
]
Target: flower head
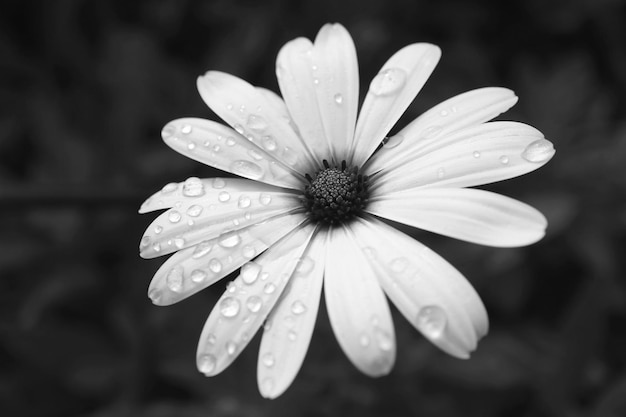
[{"x": 318, "y": 184}]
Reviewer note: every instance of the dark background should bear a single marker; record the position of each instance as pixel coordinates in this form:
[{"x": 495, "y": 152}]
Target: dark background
[{"x": 85, "y": 87}]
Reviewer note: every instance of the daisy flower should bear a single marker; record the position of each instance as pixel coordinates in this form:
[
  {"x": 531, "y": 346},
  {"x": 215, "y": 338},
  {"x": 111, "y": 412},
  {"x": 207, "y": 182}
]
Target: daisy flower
[{"x": 318, "y": 188}]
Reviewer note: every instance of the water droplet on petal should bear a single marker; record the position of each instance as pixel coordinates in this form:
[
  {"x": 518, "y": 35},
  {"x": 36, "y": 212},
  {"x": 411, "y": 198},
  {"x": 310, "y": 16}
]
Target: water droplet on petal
[
  {"x": 215, "y": 265},
  {"x": 393, "y": 141},
  {"x": 364, "y": 340},
  {"x": 244, "y": 202},
  {"x": 168, "y": 131},
  {"x": 206, "y": 364},
  {"x": 168, "y": 188},
  {"x": 268, "y": 360},
  {"x": 256, "y": 155},
  {"x": 145, "y": 241},
  {"x": 476, "y": 154},
  {"x": 298, "y": 307},
  {"x": 229, "y": 307},
  {"x": 158, "y": 229},
  {"x": 254, "y": 303},
  {"x": 238, "y": 128},
  {"x": 305, "y": 265},
  {"x": 441, "y": 173},
  {"x": 202, "y": 249},
  {"x": 383, "y": 339},
  {"x": 431, "y": 320},
  {"x": 265, "y": 199},
  {"x": 256, "y": 123},
  {"x": 289, "y": 156},
  {"x": 248, "y": 252},
  {"x": 174, "y": 216},
  {"x": 247, "y": 169},
  {"x": 211, "y": 339},
  {"x": 538, "y": 151},
  {"x": 186, "y": 129},
  {"x": 292, "y": 335},
  {"x": 338, "y": 98},
  {"x": 443, "y": 113},
  {"x": 198, "y": 275},
  {"x": 219, "y": 183},
  {"x": 194, "y": 211},
  {"x": 250, "y": 272},
  {"x": 174, "y": 279},
  {"x": 155, "y": 295},
  {"x": 229, "y": 239},
  {"x": 191, "y": 146},
  {"x": 223, "y": 196},
  {"x": 193, "y": 187},
  {"x": 231, "y": 348},
  {"x": 388, "y": 82},
  {"x": 230, "y": 141},
  {"x": 269, "y": 288},
  {"x": 504, "y": 159},
  {"x": 269, "y": 143},
  {"x": 156, "y": 247},
  {"x": 179, "y": 242}
]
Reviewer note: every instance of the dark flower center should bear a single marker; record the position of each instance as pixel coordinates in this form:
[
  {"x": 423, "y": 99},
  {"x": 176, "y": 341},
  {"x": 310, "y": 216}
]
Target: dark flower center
[{"x": 335, "y": 194}]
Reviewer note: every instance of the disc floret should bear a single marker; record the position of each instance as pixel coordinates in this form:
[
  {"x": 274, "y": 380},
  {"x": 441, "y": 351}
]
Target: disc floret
[{"x": 336, "y": 194}]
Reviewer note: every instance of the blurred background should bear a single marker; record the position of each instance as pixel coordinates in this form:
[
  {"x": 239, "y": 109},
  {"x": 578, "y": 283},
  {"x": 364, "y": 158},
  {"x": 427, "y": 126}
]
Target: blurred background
[{"x": 85, "y": 88}]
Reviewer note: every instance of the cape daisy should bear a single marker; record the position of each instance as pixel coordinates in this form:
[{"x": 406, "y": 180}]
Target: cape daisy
[{"x": 311, "y": 210}]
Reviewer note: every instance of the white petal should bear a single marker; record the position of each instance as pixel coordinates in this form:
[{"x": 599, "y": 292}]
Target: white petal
[
  {"x": 390, "y": 93},
  {"x": 320, "y": 84},
  {"x": 290, "y": 324},
  {"x": 255, "y": 117},
  {"x": 428, "y": 291},
  {"x": 477, "y": 155},
  {"x": 217, "y": 207},
  {"x": 193, "y": 269},
  {"x": 221, "y": 147},
  {"x": 464, "y": 110},
  {"x": 473, "y": 215},
  {"x": 246, "y": 303},
  {"x": 357, "y": 308}
]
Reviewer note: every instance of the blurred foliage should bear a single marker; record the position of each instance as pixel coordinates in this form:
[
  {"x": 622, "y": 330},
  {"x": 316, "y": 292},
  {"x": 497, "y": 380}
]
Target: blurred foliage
[{"x": 84, "y": 90}]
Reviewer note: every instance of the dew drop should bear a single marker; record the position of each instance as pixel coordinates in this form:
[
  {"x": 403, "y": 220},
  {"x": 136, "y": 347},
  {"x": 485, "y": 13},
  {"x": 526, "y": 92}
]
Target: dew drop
[
  {"x": 256, "y": 155},
  {"x": 305, "y": 265},
  {"x": 168, "y": 188},
  {"x": 248, "y": 252},
  {"x": 229, "y": 106},
  {"x": 538, "y": 151},
  {"x": 179, "y": 242},
  {"x": 250, "y": 272},
  {"x": 393, "y": 141},
  {"x": 215, "y": 265},
  {"x": 202, "y": 249},
  {"x": 186, "y": 129},
  {"x": 230, "y": 141},
  {"x": 443, "y": 113},
  {"x": 316, "y": 81},
  {"x": 174, "y": 279},
  {"x": 289, "y": 156},
  {"x": 268, "y": 360},
  {"x": 441, "y": 173},
  {"x": 216, "y": 148},
  {"x": 191, "y": 146},
  {"x": 156, "y": 247},
  {"x": 256, "y": 123},
  {"x": 229, "y": 307},
  {"x": 193, "y": 187},
  {"x": 244, "y": 202},
  {"x": 223, "y": 196},
  {"x": 399, "y": 265},
  {"x": 168, "y": 131},
  {"x": 231, "y": 348},
  {"x": 431, "y": 131},
  {"x": 194, "y": 211},
  {"x": 364, "y": 340},
  {"x": 269, "y": 288},
  {"x": 504, "y": 159},
  {"x": 298, "y": 307},
  {"x": 254, "y": 303},
  {"x": 206, "y": 364},
  {"x": 219, "y": 183},
  {"x": 338, "y": 98},
  {"x": 174, "y": 216},
  {"x": 238, "y": 128},
  {"x": 476, "y": 154},
  {"x": 265, "y": 199},
  {"x": 155, "y": 295},
  {"x": 388, "y": 82},
  {"x": 145, "y": 241},
  {"x": 269, "y": 143},
  {"x": 229, "y": 239},
  {"x": 292, "y": 335},
  {"x": 158, "y": 229},
  {"x": 247, "y": 169},
  {"x": 431, "y": 320},
  {"x": 198, "y": 275},
  {"x": 384, "y": 341},
  {"x": 211, "y": 339}
]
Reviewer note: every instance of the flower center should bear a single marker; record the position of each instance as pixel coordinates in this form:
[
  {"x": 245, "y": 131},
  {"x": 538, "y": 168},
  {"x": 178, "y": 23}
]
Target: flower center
[{"x": 335, "y": 194}]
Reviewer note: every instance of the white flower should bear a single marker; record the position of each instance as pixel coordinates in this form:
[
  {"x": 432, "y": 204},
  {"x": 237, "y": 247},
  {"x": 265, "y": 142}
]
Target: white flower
[{"x": 312, "y": 210}]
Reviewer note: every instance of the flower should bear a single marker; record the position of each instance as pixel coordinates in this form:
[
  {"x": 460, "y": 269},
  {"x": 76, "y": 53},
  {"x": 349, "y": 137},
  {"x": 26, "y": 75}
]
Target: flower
[{"x": 313, "y": 206}]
